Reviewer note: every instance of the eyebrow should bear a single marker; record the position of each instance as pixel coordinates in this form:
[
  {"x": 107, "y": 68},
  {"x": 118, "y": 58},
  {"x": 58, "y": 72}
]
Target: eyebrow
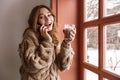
[{"x": 43, "y": 14}]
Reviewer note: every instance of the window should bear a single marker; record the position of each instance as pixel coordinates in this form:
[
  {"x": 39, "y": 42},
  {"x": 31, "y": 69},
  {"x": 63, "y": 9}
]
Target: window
[
  {"x": 91, "y": 10},
  {"x": 93, "y": 76},
  {"x": 100, "y": 28},
  {"x": 112, "y": 60},
  {"x": 112, "y": 7},
  {"x": 92, "y": 45}
]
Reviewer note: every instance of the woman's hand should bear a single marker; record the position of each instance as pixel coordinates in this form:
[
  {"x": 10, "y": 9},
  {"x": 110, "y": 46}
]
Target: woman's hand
[
  {"x": 69, "y": 34},
  {"x": 45, "y": 34}
]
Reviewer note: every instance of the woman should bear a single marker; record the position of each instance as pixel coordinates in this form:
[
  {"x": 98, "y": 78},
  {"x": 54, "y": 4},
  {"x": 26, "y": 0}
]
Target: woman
[{"x": 40, "y": 51}]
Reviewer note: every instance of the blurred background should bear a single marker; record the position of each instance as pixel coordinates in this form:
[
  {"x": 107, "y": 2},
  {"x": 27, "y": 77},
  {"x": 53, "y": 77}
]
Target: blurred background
[{"x": 13, "y": 20}]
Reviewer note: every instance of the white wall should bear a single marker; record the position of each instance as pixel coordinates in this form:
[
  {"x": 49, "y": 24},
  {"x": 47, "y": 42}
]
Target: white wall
[{"x": 13, "y": 20}]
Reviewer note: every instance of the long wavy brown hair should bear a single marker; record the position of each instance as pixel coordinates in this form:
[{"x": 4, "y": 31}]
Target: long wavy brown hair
[{"x": 33, "y": 22}]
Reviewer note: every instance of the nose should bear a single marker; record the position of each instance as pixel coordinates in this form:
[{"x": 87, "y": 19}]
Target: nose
[{"x": 47, "y": 18}]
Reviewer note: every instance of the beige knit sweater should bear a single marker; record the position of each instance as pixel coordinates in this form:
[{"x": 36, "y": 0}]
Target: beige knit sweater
[{"x": 42, "y": 60}]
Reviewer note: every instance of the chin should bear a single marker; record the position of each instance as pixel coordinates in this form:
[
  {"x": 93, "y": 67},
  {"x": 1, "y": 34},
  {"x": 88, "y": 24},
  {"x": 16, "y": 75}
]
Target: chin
[{"x": 50, "y": 28}]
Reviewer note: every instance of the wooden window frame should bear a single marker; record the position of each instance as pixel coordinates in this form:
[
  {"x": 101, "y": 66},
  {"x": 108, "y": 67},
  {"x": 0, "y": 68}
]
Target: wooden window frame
[
  {"x": 82, "y": 25},
  {"x": 100, "y": 22}
]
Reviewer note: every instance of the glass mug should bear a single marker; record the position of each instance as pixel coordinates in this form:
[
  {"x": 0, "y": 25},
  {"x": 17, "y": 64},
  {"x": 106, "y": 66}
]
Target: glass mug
[{"x": 69, "y": 26}]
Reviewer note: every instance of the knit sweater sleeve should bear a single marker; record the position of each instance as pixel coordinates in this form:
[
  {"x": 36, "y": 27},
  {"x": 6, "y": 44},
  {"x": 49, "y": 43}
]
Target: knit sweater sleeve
[
  {"x": 65, "y": 56},
  {"x": 35, "y": 57}
]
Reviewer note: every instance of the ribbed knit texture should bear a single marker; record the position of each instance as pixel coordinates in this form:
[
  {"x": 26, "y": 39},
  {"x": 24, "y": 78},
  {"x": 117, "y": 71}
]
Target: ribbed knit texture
[{"x": 42, "y": 60}]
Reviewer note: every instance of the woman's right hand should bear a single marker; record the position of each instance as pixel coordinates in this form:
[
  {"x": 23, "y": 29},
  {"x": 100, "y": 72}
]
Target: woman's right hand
[
  {"x": 69, "y": 33},
  {"x": 45, "y": 34}
]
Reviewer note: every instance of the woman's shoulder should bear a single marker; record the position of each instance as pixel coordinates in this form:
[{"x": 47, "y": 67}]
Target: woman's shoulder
[
  {"x": 28, "y": 31},
  {"x": 29, "y": 34}
]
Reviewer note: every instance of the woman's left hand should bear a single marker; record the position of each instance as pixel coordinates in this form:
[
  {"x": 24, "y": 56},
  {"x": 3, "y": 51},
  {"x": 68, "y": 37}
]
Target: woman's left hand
[
  {"x": 69, "y": 34},
  {"x": 45, "y": 34}
]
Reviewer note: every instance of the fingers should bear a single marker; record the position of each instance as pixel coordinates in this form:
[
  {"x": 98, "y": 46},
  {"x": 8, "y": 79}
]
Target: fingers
[
  {"x": 70, "y": 34},
  {"x": 43, "y": 29},
  {"x": 44, "y": 33},
  {"x": 73, "y": 32}
]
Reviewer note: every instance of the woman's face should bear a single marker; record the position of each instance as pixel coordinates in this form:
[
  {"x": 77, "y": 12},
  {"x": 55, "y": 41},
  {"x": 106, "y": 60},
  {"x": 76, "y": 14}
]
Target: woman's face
[{"x": 46, "y": 18}]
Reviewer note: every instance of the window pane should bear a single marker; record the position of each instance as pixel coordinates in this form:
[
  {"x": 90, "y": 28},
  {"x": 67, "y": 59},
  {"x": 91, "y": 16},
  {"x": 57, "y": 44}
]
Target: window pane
[
  {"x": 92, "y": 45},
  {"x": 113, "y": 48},
  {"x": 90, "y": 75},
  {"x": 112, "y": 7},
  {"x": 105, "y": 79},
  {"x": 91, "y": 9}
]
